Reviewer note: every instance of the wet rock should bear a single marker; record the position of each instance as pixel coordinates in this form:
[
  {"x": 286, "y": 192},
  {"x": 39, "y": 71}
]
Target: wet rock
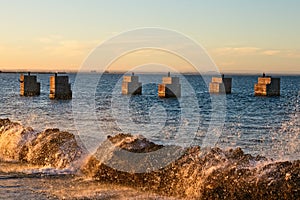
[
  {"x": 52, "y": 147},
  {"x": 170, "y": 170},
  {"x": 213, "y": 174},
  {"x": 137, "y": 144},
  {"x": 13, "y": 139}
]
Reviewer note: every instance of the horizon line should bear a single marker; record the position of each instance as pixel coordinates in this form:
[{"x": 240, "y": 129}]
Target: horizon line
[{"x": 147, "y": 72}]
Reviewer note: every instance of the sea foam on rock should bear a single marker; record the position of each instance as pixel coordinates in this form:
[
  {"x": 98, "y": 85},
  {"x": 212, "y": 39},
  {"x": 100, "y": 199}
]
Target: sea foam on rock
[
  {"x": 213, "y": 174},
  {"x": 52, "y": 147},
  {"x": 121, "y": 159}
]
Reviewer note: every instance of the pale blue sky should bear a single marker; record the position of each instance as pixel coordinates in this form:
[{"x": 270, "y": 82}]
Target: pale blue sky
[{"x": 263, "y": 26}]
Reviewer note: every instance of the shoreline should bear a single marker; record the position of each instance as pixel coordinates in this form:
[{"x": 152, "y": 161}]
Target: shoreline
[{"x": 214, "y": 173}]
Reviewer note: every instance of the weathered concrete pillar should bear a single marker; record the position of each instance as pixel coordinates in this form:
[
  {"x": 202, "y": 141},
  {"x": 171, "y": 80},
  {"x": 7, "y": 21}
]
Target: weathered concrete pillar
[
  {"x": 60, "y": 88},
  {"x": 220, "y": 85},
  {"x": 29, "y": 85},
  {"x": 131, "y": 85},
  {"x": 170, "y": 87},
  {"x": 267, "y": 86}
]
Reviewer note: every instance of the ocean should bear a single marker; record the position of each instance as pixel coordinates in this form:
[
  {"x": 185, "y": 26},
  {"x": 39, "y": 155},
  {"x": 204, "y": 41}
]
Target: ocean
[{"x": 267, "y": 128}]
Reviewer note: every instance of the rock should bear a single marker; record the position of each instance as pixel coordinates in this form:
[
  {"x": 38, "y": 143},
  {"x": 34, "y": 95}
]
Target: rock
[
  {"x": 52, "y": 147},
  {"x": 214, "y": 174}
]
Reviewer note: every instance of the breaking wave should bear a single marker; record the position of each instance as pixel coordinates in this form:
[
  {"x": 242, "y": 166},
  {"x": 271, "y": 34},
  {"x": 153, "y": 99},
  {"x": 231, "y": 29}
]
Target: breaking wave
[
  {"x": 206, "y": 174},
  {"x": 52, "y": 147}
]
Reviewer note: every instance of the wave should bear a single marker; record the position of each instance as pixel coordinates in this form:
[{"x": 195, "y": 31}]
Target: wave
[
  {"x": 210, "y": 174},
  {"x": 205, "y": 174},
  {"x": 52, "y": 147}
]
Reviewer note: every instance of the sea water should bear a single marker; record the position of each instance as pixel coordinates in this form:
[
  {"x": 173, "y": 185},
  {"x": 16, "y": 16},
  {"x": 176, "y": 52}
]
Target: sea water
[{"x": 266, "y": 126}]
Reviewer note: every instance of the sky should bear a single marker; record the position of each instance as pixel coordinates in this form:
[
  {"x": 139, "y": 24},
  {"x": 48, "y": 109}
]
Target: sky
[{"x": 240, "y": 36}]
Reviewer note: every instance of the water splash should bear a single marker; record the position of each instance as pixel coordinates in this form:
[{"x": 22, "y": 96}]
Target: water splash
[
  {"x": 286, "y": 140},
  {"x": 205, "y": 174},
  {"x": 51, "y": 148}
]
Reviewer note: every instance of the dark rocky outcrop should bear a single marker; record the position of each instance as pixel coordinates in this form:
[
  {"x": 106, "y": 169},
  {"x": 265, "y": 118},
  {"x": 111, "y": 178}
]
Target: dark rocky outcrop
[
  {"x": 169, "y": 170},
  {"x": 52, "y": 147},
  {"x": 210, "y": 174}
]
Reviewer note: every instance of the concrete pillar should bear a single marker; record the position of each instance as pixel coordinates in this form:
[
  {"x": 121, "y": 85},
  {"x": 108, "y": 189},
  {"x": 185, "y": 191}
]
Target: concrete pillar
[
  {"x": 170, "y": 87},
  {"x": 60, "y": 88},
  {"x": 220, "y": 85},
  {"x": 267, "y": 86},
  {"x": 131, "y": 85},
  {"x": 29, "y": 85}
]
